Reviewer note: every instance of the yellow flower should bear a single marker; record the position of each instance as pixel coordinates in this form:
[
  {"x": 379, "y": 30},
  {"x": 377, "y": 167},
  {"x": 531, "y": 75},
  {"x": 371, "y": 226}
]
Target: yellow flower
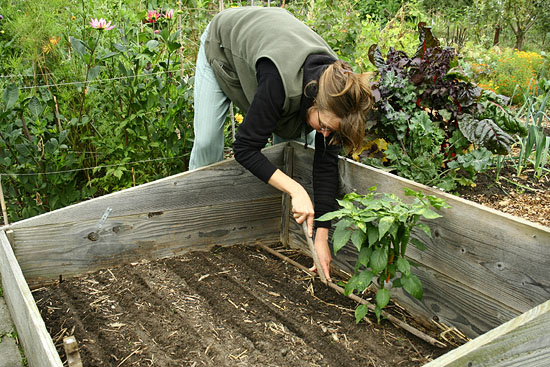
[{"x": 239, "y": 118}]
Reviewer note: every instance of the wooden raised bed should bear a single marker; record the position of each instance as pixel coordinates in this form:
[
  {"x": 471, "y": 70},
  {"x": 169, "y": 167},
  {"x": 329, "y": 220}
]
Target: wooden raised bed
[{"x": 482, "y": 269}]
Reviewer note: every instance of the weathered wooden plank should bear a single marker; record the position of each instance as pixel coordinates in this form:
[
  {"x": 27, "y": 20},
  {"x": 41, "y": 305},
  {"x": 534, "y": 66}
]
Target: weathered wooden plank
[
  {"x": 480, "y": 250},
  {"x": 37, "y": 343},
  {"x": 523, "y": 341},
  {"x": 223, "y": 182},
  {"x": 445, "y": 300},
  {"x": 222, "y": 204},
  {"x": 67, "y": 249}
]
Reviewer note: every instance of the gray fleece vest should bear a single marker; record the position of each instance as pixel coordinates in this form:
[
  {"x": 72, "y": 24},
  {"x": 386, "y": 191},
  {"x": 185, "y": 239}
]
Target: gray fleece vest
[{"x": 239, "y": 37}]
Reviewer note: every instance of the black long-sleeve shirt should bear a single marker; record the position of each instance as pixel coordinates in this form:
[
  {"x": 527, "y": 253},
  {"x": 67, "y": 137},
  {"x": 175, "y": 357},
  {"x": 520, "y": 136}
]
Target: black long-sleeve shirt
[{"x": 260, "y": 121}]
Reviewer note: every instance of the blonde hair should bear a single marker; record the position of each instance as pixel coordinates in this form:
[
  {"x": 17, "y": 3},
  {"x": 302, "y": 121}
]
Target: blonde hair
[{"x": 348, "y": 96}]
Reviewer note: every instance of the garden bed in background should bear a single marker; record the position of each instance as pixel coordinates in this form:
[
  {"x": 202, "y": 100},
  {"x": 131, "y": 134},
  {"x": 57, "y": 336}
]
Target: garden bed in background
[
  {"x": 522, "y": 196},
  {"x": 232, "y": 306}
]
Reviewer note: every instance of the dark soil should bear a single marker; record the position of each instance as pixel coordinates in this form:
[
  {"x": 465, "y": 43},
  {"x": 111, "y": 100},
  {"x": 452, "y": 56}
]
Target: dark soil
[{"x": 236, "y": 306}]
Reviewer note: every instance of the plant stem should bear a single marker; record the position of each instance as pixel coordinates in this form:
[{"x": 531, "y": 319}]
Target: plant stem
[
  {"x": 520, "y": 185},
  {"x": 86, "y": 78}
]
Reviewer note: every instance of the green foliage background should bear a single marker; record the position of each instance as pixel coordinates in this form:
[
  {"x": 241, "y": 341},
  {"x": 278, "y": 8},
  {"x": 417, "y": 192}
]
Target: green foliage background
[{"x": 109, "y": 109}]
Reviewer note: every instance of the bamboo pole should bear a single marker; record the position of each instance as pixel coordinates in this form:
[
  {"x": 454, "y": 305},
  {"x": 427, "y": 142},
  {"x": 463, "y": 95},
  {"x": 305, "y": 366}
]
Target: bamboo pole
[
  {"x": 3, "y": 203},
  {"x": 391, "y": 318}
]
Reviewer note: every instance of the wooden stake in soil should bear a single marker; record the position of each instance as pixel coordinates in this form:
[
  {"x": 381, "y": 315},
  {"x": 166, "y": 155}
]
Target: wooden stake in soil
[
  {"x": 71, "y": 350},
  {"x": 391, "y": 318},
  {"x": 314, "y": 254},
  {"x": 3, "y": 203}
]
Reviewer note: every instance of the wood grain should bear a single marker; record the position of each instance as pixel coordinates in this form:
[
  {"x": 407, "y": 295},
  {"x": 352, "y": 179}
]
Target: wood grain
[
  {"x": 523, "y": 341},
  {"x": 37, "y": 343},
  {"x": 68, "y": 249}
]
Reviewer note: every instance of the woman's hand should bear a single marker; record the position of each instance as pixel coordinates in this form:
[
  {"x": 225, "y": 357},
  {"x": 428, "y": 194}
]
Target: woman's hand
[
  {"x": 302, "y": 210},
  {"x": 302, "y": 207},
  {"x": 323, "y": 251}
]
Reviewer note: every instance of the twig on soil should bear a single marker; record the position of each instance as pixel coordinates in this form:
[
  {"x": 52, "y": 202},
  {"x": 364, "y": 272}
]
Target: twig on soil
[
  {"x": 125, "y": 359},
  {"x": 110, "y": 272},
  {"x": 371, "y": 307},
  {"x": 241, "y": 355},
  {"x": 233, "y": 303}
]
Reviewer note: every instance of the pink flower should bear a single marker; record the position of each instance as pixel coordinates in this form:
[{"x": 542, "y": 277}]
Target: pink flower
[
  {"x": 169, "y": 14},
  {"x": 152, "y": 16},
  {"x": 101, "y": 24},
  {"x": 156, "y": 31}
]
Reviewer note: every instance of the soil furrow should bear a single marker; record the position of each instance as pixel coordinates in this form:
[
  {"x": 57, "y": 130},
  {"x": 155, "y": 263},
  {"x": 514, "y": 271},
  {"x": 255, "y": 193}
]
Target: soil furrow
[
  {"x": 238, "y": 310},
  {"x": 234, "y": 306}
]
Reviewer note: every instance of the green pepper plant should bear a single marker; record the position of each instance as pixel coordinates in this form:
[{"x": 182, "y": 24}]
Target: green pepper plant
[{"x": 380, "y": 225}]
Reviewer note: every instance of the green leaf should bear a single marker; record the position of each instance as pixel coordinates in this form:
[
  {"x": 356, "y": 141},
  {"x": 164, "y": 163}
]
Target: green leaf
[
  {"x": 378, "y": 260},
  {"x": 123, "y": 69},
  {"x": 372, "y": 234},
  {"x": 51, "y": 146},
  {"x": 486, "y": 133},
  {"x": 94, "y": 72},
  {"x": 382, "y": 297},
  {"x": 364, "y": 256},
  {"x": 35, "y": 106},
  {"x": 63, "y": 135},
  {"x": 340, "y": 237},
  {"x": 418, "y": 244},
  {"x": 362, "y": 226},
  {"x": 384, "y": 225},
  {"x": 120, "y": 47},
  {"x": 152, "y": 45},
  {"x": 79, "y": 46},
  {"x": 428, "y": 213},
  {"x": 411, "y": 192},
  {"x": 360, "y": 312},
  {"x": 413, "y": 286},
  {"x": 172, "y": 46},
  {"x": 424, "y": 227},
  {"x": 330, "y": 216},
  {"x": 108, "y": 55},
  {"x": 358, "y": 238},
  {"x": 10, "y": 95},
  {"x": 359, "y": 282},
  {"x": 397, "y": 283},
  {"x": 118, "y": 173},
  {"x": 403, "y": 266}
]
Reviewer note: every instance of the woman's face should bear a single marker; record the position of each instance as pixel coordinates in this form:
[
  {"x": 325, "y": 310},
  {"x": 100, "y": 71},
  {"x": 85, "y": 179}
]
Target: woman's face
[{"x": 324, "y": 122}]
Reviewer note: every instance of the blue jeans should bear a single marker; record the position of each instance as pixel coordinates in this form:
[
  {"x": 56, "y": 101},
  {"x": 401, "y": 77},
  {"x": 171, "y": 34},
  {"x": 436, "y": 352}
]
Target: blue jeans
[{"x": 211, "y": 106}]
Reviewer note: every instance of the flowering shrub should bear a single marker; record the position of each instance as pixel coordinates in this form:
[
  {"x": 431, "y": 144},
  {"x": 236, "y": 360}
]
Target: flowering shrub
[
  {"x": 510, "y": 72},
  {"x": 516, "y": 73}
]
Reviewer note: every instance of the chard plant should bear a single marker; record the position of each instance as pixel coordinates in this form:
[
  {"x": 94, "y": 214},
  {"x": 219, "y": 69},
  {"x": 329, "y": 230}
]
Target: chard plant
[
  {"x": 431, "y": 113},
  {"x": 380, "y": 225}
]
